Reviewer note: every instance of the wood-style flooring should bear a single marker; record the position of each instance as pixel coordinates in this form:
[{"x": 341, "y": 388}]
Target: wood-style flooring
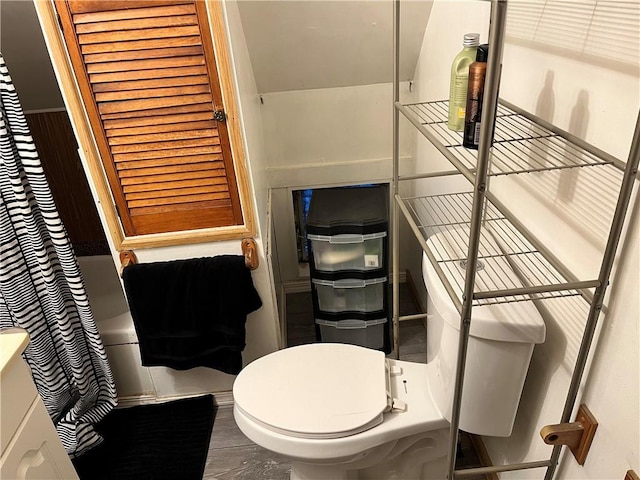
[{"x": 232, "y": 456}]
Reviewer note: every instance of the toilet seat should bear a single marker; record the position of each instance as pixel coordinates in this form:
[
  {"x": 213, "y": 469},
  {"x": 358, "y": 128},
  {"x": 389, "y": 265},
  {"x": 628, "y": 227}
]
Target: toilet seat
[{"x": 321, "y": 391}]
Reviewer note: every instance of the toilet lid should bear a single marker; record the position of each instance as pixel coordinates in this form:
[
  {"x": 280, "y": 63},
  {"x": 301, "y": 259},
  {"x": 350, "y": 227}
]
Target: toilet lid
[{"x": 322, "y": 390}]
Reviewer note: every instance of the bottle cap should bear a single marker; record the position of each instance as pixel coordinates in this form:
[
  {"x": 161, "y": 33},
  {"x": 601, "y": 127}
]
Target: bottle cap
[
  {"x": 483, "y": 53},
  {"x": 471, "y": 39}
]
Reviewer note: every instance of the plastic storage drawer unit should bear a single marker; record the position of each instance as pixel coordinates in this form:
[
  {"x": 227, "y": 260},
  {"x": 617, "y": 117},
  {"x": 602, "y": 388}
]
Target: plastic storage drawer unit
[
  {"x": 366, "y": 333},
  {"x": 347, "y": 232},
  {"x": 350, "y": 295},
  {"x": 348, "y": 252},
  {"x": 348, "y": 241}
]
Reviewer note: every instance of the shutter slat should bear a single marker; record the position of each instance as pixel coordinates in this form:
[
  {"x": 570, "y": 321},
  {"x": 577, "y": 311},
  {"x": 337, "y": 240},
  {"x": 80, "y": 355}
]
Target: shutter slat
[
  {"x": 141, "y": 34},
  {"x": 166, "y": 178},
  {"x": 215, "y": 169},
  {"x": 172, "y": 162},
  {"x": 151, "y": 103},
  {"x": 172, "y": 127},
  {"x": 152, "y": 93},
  {"x": 157, "y": 146},
  {"x": 148, "y": 74},
  {"x": 163, "y": 137},
  {"x": 131, "y": 13},
  {"x": 220, "y": 206},
  {"x": 79, "y": 7},
  {"x": 155, "y": 63},
  {"x": 156, "y": 190},
  {"x": 151, "y": 83},
  {"x": 187, "y": 80},
  {"x": 180, "y": 152},
  {"x": 156, "y": 112},
  {"x": 157, "y": 120},
  {"x": 137, "y": 24},
  {"x": 137, "y": 45},
  {"x": 136, "y": 54},
  {"x": 149, "y": 190},
  {"x": 149, "y": 202},
  {"x": 168, "y": 195}
]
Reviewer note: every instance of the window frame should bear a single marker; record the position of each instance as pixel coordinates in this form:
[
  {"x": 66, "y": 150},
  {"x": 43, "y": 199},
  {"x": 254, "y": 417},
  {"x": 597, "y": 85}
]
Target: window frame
[{"x": 91, "y": 157}]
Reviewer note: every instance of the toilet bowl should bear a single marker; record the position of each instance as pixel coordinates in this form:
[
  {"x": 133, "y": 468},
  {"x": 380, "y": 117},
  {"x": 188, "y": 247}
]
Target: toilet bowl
[
  {"x": 335, "y": 409},
  {"x": 347, "y": 412}
]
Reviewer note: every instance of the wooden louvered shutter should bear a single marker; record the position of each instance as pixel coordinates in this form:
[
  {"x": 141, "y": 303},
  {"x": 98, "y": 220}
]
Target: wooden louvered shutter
[{"x": 147, "y": 75}]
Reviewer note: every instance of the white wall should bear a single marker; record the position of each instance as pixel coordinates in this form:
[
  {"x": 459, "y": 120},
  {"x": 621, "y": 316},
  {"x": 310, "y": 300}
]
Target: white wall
[
  {"x": 251, "y": 119},
  {"x": 448, "y": 23},
  {"x": 570, "y": 212},
  {"x": 249, "y": 103},
  {"x": 301, "y": 44},
  {"x": 322, "y": 138},
  {"x": 600, "y": 104},
  {"x": 328, "y": 126}
]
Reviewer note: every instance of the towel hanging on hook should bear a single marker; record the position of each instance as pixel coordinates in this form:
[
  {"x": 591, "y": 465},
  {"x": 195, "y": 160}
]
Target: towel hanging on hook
[{"x": 191, "y": 313}]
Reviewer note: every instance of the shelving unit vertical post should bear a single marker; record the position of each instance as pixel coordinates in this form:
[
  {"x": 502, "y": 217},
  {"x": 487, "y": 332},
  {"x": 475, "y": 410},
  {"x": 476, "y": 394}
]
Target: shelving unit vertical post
[{"x": 517, "y": 134}]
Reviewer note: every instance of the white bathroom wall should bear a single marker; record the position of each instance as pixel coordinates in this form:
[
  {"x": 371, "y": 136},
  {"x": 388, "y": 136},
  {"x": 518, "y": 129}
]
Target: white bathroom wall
[
  {"x": 322, "y": 138},
  {"x": 599, "y": 102},
  {"x": 262, "y": 326},
  {"x": 251, "y": 117},
  {"x": 569, "y": 211},
  {"x": 313, "y": 129},
  {"x": 448, "y": 23}
]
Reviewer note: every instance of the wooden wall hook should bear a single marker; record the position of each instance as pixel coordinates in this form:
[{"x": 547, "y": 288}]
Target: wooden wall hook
[
  {"x": 250, "y": 252},
  {"x": 127, "y": 257},
  {"x": 577, "y": 435}
]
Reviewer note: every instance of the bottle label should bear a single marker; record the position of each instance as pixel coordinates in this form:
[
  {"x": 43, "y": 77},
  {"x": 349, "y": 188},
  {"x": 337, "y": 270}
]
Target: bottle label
[
  {"x": 475, "y": 96},
  {"x": 460, "y": 96}
]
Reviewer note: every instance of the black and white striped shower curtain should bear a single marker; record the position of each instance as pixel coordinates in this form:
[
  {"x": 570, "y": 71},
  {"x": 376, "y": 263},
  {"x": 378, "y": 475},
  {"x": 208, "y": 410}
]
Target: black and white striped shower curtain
[{"x": 41, "y": 289}]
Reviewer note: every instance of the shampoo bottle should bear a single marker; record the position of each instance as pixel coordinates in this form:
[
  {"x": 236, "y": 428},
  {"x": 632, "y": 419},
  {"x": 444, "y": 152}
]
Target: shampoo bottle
[
  {"x": 459, "y": 80},
  {"x": 475, "y": 93}
]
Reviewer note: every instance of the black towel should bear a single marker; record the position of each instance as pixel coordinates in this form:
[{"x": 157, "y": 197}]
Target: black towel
[{"x": 191, "y": 313}]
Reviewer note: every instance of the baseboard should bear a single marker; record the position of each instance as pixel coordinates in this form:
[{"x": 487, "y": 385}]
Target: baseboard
[
  {"x": 483, "y": 455},
  {"x": 296, "y": 286},
  {"x": 220, "y": 399},
  {"x": 126, "y": 402}
]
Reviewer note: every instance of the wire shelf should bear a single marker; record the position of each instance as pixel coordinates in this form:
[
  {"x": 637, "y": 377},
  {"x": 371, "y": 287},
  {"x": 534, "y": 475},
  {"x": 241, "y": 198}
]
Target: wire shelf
[
  {"x": 519, "y": 146},
  {"x": 509, "y": 269}
]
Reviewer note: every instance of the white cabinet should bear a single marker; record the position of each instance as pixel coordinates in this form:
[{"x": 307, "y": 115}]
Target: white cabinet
[{"x": 31, "y": 448}]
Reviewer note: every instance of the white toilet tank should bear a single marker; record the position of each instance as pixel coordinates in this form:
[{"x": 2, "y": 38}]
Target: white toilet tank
[{"x": 501, "y": 342}]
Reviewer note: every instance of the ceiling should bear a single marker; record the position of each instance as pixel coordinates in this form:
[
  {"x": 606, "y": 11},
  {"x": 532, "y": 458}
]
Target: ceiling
[
  {"x": 293, "y": 45},
  {"x": 307, "y": 44},
  {"x": 23, "y": 48}
]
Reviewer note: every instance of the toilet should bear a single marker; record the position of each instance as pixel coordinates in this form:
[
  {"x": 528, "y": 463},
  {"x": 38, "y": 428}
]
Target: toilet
[{"x": 341, "y": 411}]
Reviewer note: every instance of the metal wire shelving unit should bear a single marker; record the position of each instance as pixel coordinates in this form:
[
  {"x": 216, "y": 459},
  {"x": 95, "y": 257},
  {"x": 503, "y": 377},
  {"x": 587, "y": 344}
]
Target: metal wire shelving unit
[{"x": 484, "y": 240}]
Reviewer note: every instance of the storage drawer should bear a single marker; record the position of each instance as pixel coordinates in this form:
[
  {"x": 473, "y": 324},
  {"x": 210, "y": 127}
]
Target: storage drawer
[
  {"x": 348, "y": 252},
  {"x": 350, "y": 295},
  {"x": 356, "y": 332}
]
